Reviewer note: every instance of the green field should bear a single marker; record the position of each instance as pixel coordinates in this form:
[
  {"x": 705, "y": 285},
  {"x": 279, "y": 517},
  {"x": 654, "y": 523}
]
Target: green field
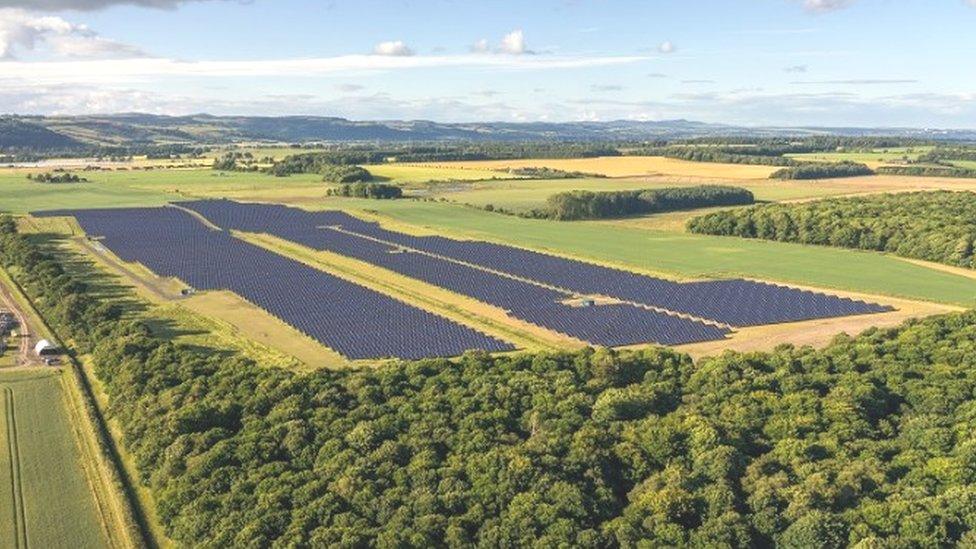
[
  {"x": 690, "y": 255},
  {"x": 878, "y": 156},
  {"x": 44, "y": 496},
  {"x": 525, "y": 194}
]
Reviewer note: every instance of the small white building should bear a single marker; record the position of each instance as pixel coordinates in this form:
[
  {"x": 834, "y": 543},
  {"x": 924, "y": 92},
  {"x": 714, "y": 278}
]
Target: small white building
[{"x": 46, "y": 348}]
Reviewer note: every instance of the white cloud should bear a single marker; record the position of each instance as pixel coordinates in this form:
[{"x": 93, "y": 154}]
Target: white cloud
[
  {"x": 393, "y": 48},
  {"x": 823, "y": 6},
  {"x": 513, "y": 43},
  {"x": 795, "y": 69},
  {"x": 666, "y": 47},
  {"x": 21, "y": 31},
  {"x": 481, "y": 46},
  {"x": 118, "y": 71},
  {"x": 88, "y": 5}
]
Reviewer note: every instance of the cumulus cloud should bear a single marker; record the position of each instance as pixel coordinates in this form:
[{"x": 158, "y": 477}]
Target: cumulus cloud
[
  {"x": 666, "y": 47},
  {"x": 481, "y": 46},
  {"x": 824, "y": 6},
  {"x": 513, "y": 43},
  {"x": 393, "y": 48},
  {"x": 21, "y": 31}
]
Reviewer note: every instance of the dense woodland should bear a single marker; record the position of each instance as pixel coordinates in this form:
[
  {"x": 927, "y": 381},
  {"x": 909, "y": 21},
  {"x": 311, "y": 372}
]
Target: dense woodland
[
  {"x": 574, "y": 205},
  {"x": 869, "y": 441},
  {"x": 823, "y": 170},
  {"x": 928, "y": 171},
  {"x": 723, "y": 155},
  {"x": 346, "y": 174},
  {"x": 936, "y": 226},
  {"x": 367, "y": 190}
]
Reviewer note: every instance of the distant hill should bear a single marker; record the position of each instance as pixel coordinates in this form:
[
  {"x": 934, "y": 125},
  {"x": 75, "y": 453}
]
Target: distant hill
[
  {"x": 17, "y": 134},
  {"x": 46, "y": 133}
]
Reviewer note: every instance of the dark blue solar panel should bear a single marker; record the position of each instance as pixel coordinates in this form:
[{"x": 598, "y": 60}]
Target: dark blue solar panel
[
  {"x": 733, "y": 302},
  {"x": 609, "y": 325},
  {"x": 353, "y": 320}
]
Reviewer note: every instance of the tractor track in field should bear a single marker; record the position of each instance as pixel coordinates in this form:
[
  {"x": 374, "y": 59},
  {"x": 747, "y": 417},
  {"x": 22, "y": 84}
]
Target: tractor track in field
[{"x": 18, "y": 518}]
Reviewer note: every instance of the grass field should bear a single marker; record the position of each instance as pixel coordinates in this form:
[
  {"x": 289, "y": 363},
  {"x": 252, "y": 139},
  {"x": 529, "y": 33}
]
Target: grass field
[
  {"x": 622, "y": 166},
  {"x": 46, "y": 499},
  {"x": 873, "y": 159},
  {"x": 688, "y": 255},
  {"x": 526, "y": 194}
]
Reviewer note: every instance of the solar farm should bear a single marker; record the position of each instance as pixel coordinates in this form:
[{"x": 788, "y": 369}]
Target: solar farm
[{"x": 590, "y": 303}]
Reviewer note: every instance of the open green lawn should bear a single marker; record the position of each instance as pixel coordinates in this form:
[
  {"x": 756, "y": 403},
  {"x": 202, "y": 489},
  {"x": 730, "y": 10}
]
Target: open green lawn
[
  {"x": 690, "y": 255},
  {"x": 44, "y": 496}
]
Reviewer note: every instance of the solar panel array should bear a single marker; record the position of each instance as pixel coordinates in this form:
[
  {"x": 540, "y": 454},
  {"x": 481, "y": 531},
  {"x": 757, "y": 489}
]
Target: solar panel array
[
  {"x": 609, "y": 325},
  {"x": 736, "y": 302},
  {"x": 353, "y": 320}
]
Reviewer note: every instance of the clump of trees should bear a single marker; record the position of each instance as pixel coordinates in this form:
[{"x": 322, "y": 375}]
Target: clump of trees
[
  {"x": 346, "y": 174},
  {"x": 551, "y": 173},
  {"x": 367, "y": 190},
  {"x": 56, "y": 177},
  {"x": 823, "y": 170},
  {"x": 574, "y": 205},
  {"x": 866, "y": 443},
  {"x": 935, "y": 226}
]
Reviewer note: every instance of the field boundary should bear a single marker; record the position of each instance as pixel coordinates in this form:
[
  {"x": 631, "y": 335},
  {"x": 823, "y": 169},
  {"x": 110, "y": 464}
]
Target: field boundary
[
  {"x": 16, "y": 483},
  {"x": 107, "y": 469}
]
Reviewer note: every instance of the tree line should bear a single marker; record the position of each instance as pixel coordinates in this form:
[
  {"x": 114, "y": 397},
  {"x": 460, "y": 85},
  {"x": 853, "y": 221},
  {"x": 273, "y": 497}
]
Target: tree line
[
  {"x": 935, "y": 226},
  {"x": 56, "y": 177},
  {"x": 865, "y": 443},
  {"x": 574, "y": 205},
  {"x": 720, "y": 155},
  {"x": 823, "y": 170},
  {"x": 367, "y": 190},
  {"x": 928, "y": 171}
]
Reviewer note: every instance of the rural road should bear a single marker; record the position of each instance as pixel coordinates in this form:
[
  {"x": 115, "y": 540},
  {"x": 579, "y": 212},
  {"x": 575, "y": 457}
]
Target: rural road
[{"x": 27, "y": 331}]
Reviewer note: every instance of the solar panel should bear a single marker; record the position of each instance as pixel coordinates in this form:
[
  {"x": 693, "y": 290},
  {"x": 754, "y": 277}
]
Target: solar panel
[{"x": 353, "y": 320}]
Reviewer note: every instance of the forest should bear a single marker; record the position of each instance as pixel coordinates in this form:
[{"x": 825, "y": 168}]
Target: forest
[
  {"x": 823, "y": 170},
  {"x": 868, "y": 441},
  {"x": 928, "y": 171},
  {"x": 575, "y": 205},
  {"x": 935, "y": 226}
]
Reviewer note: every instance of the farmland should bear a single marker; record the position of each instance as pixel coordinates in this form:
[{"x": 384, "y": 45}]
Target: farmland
[
  {"x": 295, "y": 289},
  {"x": 622, "y": 166},
  {"x": 47, "y": 501}
]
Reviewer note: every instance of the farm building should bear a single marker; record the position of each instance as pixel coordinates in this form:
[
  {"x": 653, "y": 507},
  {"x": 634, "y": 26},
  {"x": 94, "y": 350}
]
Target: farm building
[{"x": 46, "y": 348}]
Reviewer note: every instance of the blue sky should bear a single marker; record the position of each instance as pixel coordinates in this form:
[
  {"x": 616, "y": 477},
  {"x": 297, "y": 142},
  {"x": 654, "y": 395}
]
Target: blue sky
[{"x": 749, "y": 62}]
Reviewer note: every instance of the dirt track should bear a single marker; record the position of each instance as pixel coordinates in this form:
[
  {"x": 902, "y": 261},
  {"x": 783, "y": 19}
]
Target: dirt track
[{"x": 27, "y": 339}]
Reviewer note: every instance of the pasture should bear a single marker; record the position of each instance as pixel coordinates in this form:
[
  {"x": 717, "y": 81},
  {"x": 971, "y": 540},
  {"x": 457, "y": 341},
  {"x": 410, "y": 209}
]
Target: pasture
[
  {"x": 875, "y": 158},
  {"x": 45, "y": 497}
]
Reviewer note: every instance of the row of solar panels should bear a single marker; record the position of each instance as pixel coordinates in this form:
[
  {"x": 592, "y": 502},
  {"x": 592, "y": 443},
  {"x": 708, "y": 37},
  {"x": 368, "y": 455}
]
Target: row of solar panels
[
  {"x": 608, "y": 325},
  {"x": 734, "y": 302},
  {"x": 353, "y": 320}
]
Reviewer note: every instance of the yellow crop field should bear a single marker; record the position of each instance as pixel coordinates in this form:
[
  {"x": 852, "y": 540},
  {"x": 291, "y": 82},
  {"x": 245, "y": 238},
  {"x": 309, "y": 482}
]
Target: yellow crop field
[{"x": 623, "y": 166}]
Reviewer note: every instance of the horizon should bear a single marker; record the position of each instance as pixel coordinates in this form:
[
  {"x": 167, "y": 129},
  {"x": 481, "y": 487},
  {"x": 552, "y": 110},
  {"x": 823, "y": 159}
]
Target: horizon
[{"x": 782, "y": 63}]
